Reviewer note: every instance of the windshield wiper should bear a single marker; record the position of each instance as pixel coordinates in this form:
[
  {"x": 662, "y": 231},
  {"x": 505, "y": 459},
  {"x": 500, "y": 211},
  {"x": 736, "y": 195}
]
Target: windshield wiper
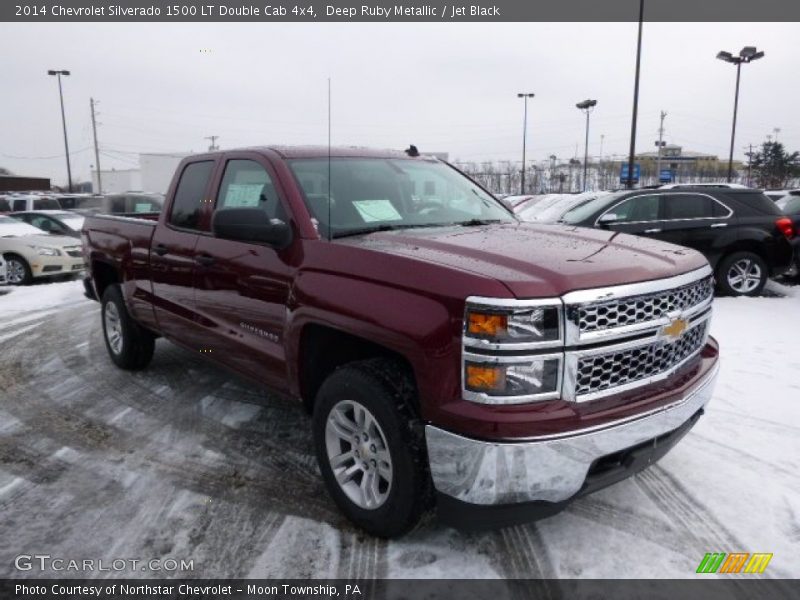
[{"x": 477, "y": 222}]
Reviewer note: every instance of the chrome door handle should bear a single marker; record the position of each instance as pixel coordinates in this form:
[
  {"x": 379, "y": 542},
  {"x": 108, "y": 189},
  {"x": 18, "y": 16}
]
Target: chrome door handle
[
  {"x": 719, "y": 225},
  {"x": 652, "y": 231}
]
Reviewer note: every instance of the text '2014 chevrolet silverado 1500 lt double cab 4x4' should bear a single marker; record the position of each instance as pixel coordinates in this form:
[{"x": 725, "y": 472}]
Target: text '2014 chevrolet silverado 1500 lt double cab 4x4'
[{"x": 449, "y": 354}]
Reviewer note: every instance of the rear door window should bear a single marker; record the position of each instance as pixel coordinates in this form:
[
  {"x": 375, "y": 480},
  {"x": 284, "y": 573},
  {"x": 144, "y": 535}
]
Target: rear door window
[
  {"x": 20, "y": 205},
  {"x": 688, "y": 206},
  {"x": 187, "y": 207}
]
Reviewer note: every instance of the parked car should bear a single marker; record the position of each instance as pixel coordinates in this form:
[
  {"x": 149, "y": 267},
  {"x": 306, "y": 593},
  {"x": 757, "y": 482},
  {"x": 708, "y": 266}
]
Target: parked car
[
  {"x": 30, "y": 253},
  {"x": 447, "y": 351},
  {"x": 683, "y": 186},
  {"x": 519, "y": 203},
  {"x": 25, "y": 202},
  {"x": 789, "y": 203},
  {"x": 53, "y": 221},
  {"x": 79, "y": 201},
  {"x": 133, "y": 202},
  {"x": 552, "y": 208},
  {"x": 778, "y": 195},
  {"x": 741, "y": 232},
  {"x": 5, "y": 205}
]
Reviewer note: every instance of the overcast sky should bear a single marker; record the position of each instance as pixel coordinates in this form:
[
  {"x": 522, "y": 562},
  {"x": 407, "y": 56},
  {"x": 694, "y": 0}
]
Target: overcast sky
[{"x": 444, "y": 87}]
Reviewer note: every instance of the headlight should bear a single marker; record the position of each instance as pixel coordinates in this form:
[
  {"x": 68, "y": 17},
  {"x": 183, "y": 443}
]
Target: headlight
[
  {"x": 510, "y": 380},
  {"x": 521, "y": 326},
  {"x": 45, "y": 251}
]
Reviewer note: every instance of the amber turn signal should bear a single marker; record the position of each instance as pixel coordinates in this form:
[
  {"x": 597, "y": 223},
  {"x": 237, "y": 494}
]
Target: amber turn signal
[
  {"x": 482, "y": 377},
  {"x": 487, "y": 324}
]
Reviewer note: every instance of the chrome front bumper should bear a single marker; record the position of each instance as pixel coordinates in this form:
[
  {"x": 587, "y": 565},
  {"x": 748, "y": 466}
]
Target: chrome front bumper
[{"x": 548, "y": 468}]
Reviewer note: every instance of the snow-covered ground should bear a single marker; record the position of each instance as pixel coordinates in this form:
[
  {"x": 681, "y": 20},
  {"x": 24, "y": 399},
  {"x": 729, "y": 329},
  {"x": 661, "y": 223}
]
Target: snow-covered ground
[{"x": 185, "y": 461}]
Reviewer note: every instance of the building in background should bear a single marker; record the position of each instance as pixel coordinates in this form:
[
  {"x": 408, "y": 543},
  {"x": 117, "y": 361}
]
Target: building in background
[
  {"x": 14, "y": 183},
  {"x": 154, "y": 174}
]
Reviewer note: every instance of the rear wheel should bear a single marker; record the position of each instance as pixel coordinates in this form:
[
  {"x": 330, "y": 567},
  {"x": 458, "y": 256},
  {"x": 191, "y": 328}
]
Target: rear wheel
[
  {"x": 18, "y": 271},
  {"x": 742, "y": 274},
  {"x": 370, "y": 447},
  {"x": 129, "y": 345}
]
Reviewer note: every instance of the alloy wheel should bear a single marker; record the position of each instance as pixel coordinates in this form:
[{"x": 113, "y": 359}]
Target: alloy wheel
[
  {"x": 15, "y": 271},
  {"x": 358, "y": 454},
  {"x": 744, "y": 276},
  {"x": 113, "y": 328}
]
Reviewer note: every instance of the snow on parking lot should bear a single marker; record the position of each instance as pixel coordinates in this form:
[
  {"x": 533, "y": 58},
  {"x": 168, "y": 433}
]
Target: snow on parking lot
[{"x": 183, "y": 460}]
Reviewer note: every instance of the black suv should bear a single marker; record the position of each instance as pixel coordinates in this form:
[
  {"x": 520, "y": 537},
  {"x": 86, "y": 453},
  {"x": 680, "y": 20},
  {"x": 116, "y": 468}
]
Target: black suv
[{"x": 741, "y": 232}]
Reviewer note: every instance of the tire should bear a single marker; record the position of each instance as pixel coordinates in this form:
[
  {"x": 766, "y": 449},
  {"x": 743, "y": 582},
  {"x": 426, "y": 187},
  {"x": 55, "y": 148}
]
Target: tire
[
  {"x": 742, "y": 274},
  {"x": 388, "y": 498},
  {"x": 18, "y": 271},
  {"x": 129, "y": 345}
]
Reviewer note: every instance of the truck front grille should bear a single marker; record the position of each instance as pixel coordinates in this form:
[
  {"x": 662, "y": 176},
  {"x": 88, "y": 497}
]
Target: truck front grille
[
  {"x": 601, "y": 372},
  {"x": 640, "y": 309}
]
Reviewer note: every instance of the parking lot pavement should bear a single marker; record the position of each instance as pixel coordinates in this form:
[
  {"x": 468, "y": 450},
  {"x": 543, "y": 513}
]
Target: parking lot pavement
[{"x": 186, "y": 461}]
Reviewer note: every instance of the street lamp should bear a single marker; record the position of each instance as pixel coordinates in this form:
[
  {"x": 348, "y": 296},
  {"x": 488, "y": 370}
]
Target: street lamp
[
  {"x": 586, "y": 106},
  {"x": 63, "y": 122},
  {"x": 746, "y": 55},
  {"x": 525, "y": 96}
]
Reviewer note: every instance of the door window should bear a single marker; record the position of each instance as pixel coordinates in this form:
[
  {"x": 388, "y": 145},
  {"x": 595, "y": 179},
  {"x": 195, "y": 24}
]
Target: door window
[
  {"x": 246, "y": 184},
  {"x": 691, "y": 206},
  {"x": 20, "y": 204},
  {"x": 188, "y": 203},
  {"x": 638, "y": 208}
]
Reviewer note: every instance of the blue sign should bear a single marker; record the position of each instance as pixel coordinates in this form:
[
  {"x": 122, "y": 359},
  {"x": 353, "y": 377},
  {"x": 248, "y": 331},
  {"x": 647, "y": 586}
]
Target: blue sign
[
  {"x": 623, "y": 174},
  {"x": 665, "y": 176}
]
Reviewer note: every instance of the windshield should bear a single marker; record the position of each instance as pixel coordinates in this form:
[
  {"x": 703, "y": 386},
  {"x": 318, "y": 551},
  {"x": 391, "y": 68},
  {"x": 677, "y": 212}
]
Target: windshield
[
  {"x": 13, "y": 228},
  {"x": 46, "y": 204},
  {"x": 71, "y": 220},
  {"x": 584, "y": 211},
  {"x": 371, "y": 194}
]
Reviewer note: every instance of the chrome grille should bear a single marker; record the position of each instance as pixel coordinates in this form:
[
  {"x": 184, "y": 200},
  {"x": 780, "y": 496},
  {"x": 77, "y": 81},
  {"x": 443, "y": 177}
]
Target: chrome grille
[
  {"x": 601, "y": 372},
  {"x": 641, "y": 309}
]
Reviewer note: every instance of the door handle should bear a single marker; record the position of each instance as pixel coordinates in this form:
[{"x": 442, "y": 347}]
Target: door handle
[
  {"x": 719, "y": 225},
  {"x": 160, "y": 249},
  {"x": 652, "y": 230},
  {"x": 205, "y": 260}
]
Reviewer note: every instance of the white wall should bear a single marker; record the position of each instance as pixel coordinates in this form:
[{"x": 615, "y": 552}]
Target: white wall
[
  {"x": 158, "y": 169},
  {"x": 118, "y": 180}
]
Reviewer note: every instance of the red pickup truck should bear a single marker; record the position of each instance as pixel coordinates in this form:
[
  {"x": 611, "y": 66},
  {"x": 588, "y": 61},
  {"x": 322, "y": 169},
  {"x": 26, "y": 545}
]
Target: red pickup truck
[{"x": 448, "y": 353}]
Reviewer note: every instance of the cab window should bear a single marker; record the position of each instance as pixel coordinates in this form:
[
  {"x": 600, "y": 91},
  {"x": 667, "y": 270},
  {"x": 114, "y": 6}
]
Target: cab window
[
  {"x": 246, "y": 184},
  {"x": 187, "y": 205}
]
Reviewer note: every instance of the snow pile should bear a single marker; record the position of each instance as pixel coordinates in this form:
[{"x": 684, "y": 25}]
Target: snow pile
[{"x": 40, "y": 297}]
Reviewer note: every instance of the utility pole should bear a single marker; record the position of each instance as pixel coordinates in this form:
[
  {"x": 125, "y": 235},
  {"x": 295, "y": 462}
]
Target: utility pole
[
  {"x": 213, "y": 145},
  {"x": 96, "y": 148},
  {"x": 777, "y": 130},
  {"x": 601, "y": 172},
  {"x": 660, "y": 144},
  {"x": 749, "y": 165}
]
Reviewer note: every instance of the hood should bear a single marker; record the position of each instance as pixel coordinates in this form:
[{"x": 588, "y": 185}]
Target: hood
[
  {"x": 47, "y": 240},
  {"x": 537, "y": 260}
]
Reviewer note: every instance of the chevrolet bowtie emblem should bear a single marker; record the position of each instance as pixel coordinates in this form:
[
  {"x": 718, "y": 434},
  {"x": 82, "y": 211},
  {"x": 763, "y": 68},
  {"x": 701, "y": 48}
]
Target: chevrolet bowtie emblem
[{"x": 674, "y": 330}]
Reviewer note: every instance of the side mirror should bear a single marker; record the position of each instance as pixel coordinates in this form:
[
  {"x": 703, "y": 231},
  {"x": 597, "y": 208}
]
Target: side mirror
[
  {"x": 251, "y": 225},
  {"x": 607, "y": 219}
]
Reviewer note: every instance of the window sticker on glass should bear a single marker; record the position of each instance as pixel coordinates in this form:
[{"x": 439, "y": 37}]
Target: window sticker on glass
[
  {"x": 377, "y": 210},
  {"x": 243, "y": 195},
  {"x": 143, "y": 207}
]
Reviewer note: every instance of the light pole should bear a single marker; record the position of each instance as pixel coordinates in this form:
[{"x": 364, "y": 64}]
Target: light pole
[
  {"x": 632, "y": 153},
  {"x": 746, "y": 55},
  {"x": 525, "y": 97},
  {"x": 63, "y": 122},
  {"x": 586, "y": 106}
]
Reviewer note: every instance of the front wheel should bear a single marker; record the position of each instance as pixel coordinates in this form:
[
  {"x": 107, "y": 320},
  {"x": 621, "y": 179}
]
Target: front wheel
[
  {"x": 129, "y": 345},
  {"x": 370, "y": 447},
  {"x": 742, "y": 274},
  {"x": 18, "y": 271}
]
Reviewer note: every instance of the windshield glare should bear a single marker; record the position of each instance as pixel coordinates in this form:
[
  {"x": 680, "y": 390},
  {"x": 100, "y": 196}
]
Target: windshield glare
[
  {"x": 371, "y": 193},
  {"x": 584, "y": 211}
]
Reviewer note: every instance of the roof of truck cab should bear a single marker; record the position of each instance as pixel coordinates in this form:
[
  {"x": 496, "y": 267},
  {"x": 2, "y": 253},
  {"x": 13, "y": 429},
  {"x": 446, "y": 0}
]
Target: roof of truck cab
[{"x": 290, "y": 152}]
